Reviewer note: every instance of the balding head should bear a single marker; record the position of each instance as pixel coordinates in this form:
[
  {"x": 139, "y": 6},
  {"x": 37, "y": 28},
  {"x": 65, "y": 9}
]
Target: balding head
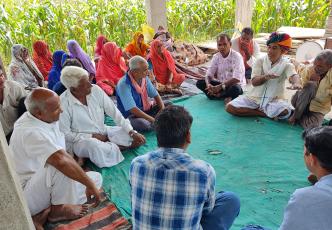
[{"x": 43, "y": 104}]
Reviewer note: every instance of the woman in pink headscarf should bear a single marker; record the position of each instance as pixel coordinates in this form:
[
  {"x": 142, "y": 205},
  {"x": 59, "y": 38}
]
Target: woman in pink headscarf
[
  {"x": 101, "y": 40},
  {"x": 164, "y": 68},
  {"x": 111, "y": 67}
]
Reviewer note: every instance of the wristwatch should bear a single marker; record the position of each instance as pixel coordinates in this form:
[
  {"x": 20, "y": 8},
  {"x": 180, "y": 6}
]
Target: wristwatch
[{"x": 132, "y": 133}]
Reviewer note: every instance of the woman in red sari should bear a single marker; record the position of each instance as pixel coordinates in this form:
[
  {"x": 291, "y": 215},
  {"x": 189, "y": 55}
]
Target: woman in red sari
[
  {"x": 42, "y": 56},
  {"x": 164, "y": 67},
  {"x": 101, "y": 40},
  {"x": 111, "y": 67}
]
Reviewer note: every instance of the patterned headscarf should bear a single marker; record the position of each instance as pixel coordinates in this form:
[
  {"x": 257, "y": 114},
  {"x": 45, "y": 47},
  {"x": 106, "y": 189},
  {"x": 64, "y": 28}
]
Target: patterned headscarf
[
  {"x": 20, "y": 71},
  {"x": 42, "y": 57},
  {"x": 282, "y": 39},
  {"x": 76, "y": 51}
]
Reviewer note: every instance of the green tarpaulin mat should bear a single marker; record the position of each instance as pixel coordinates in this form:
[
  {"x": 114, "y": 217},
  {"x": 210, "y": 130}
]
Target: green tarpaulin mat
[{"x": 259, "y": 159}]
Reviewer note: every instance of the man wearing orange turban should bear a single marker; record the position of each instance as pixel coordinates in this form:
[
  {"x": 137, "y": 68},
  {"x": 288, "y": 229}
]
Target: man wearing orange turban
[{"x": 269, "y": 74}]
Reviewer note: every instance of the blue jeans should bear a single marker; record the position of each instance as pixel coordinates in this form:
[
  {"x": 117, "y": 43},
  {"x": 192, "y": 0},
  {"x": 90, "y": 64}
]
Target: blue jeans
[
  {"x": 254, "y": 227},
  {"x": 226, "y": 209}
]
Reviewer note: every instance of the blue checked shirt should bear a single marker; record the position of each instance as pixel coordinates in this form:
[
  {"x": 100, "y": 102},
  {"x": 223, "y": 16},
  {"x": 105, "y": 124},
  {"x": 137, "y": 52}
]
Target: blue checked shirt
[{"x": 170, "y": 190}]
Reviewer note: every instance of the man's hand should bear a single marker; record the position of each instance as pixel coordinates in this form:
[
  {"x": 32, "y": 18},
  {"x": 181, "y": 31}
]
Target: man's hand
[
  {"x": 270, "y": 76},
  {"x": 295, "y": 86},
  {"x": 103, "y": 138},
  {"x": 215, "y": 89},
  {"x": 93, "y": 194},
  {"x": 315, "y": 77},
  {"x": 245, "y": 47},
  {"x": 138, "y": 139}
]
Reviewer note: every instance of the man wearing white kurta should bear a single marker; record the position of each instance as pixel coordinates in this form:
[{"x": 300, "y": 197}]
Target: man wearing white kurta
[
  {"x": 82, "y": 121},
  {"x": 269, "y": 74},
  {"x": 48, "y": 174}
]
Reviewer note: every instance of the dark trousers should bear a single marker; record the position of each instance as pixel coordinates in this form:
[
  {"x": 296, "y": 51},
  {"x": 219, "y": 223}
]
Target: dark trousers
[
  {"x": 233, "y": 91},
  {"x": 248, "y": 73}
]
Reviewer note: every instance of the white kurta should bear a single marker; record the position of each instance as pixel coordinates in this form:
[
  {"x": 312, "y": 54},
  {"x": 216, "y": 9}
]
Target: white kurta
[
  {"x": 33, "y": 142},
  {"x": 12, "y": 94},
  {"x": 78, "y": 122},
  {"x": 268, "y": 97}
]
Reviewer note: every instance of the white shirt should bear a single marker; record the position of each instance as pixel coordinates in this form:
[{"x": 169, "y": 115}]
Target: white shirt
[
  {"x": 274, "y": 88},
  {"x": 254, "y": 56},
  {"x": 78, "y": 121},
  {"x": 223, "y": 69},
  {"x": 32, "y": 143},
  {"x": 12, "y": 94}
]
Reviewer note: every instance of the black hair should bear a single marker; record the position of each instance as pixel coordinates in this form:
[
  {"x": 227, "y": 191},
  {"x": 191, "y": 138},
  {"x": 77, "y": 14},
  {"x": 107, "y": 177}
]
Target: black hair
[
  {"x": 248, "y": 30},
  {"x": 318, "y": 142},
  {"x": 172, "y": 126},
  {"x": 72, "y": 62},
  {"x": 222, "y": 35}
]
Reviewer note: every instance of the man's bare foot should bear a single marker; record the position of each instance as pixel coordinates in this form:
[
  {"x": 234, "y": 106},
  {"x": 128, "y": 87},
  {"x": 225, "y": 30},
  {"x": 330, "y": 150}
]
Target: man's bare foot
[
  {"x": 291, "y": 120},
  {"x": 67, "y": 212},
  {"x": 80, "y": 161},
  {"x": 40, "y": 219},
  {"x": 227, "y": 100}
]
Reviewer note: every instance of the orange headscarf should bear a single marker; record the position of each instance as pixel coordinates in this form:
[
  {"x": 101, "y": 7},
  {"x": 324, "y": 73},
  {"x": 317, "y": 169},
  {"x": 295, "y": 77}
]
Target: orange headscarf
[
  {"x": 250, "y": 49},
  {"x": 112, "y": 66},
  {"x": 42, "y": 56},
  {"x": 162, "y": 66},
  {"x": 137, "y": 49}
]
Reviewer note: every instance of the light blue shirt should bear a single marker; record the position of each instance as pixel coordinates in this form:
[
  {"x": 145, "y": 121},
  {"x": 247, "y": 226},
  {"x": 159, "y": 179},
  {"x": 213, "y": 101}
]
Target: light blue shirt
[
  {"x": 310, "y": 208},
  {"x": 128, "y": 98}
]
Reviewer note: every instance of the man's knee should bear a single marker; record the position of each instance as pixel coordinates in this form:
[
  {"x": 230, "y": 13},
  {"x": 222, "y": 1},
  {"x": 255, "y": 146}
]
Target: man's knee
[
  {"x": 231, "y": 109},
  {"x": 142, "y": 125},
  {"x": 229, "y": 199},
  {"x": 235, "y": 91},
  {"x": 201, "y": 84}
]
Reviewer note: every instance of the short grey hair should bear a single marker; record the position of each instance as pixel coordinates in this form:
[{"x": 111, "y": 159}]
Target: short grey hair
[
  {"x": 326, "y": 56},
  {"x": 33, "y": 104},
  {"x": 134, "y": 62},
  {"x": 72, "y": 75}
]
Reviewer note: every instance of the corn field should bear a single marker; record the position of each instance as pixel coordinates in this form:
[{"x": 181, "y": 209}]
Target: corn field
[{"x": 56, "y": 21}]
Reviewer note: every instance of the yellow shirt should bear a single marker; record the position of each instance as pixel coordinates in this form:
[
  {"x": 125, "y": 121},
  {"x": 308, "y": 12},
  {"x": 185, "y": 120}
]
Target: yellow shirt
[{"x": 322, "y": 101}]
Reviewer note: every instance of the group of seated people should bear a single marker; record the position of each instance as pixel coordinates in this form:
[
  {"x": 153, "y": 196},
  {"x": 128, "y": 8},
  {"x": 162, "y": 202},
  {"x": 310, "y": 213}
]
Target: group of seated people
[{"x": 170, "y": 189}]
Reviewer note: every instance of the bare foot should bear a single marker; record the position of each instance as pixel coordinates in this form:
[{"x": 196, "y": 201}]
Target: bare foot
[
  {"x": 80, "y": 161},
  {"x": 227, "y": 100},
  {"x": 67, "y": 212},
  {"x": 291, "y": 120},
  {"x": 40, "y": 219}
]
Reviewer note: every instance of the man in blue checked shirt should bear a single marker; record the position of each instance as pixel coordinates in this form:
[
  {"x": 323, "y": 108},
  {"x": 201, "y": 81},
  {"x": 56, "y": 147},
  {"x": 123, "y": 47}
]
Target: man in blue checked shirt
[{"x": 170, "y": 189}]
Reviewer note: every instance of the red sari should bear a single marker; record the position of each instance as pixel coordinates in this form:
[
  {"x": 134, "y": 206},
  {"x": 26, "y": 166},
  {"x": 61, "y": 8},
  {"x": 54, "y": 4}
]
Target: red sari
[
  {"x": 111, "y": 67},
  {"x": 42, "y": 56},
  {"x": 164, "y": 66},
  {"x": 101, "y": 40}
]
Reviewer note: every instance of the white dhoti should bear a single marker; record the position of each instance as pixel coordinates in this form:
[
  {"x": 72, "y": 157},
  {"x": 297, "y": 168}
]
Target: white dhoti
[
  {"x": 104, "y": 154},
  {"x": 49, "y": 186},
  {"x": 272, "y": 108}
]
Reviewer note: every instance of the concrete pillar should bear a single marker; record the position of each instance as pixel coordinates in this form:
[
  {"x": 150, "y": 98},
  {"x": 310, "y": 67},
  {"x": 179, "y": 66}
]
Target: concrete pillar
[
  {"x": 243, "y": 12},
  {"x": 14, "y": 213},
  {"x": 328, "y": 27},
  {"x": 156, "y": 13}
]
